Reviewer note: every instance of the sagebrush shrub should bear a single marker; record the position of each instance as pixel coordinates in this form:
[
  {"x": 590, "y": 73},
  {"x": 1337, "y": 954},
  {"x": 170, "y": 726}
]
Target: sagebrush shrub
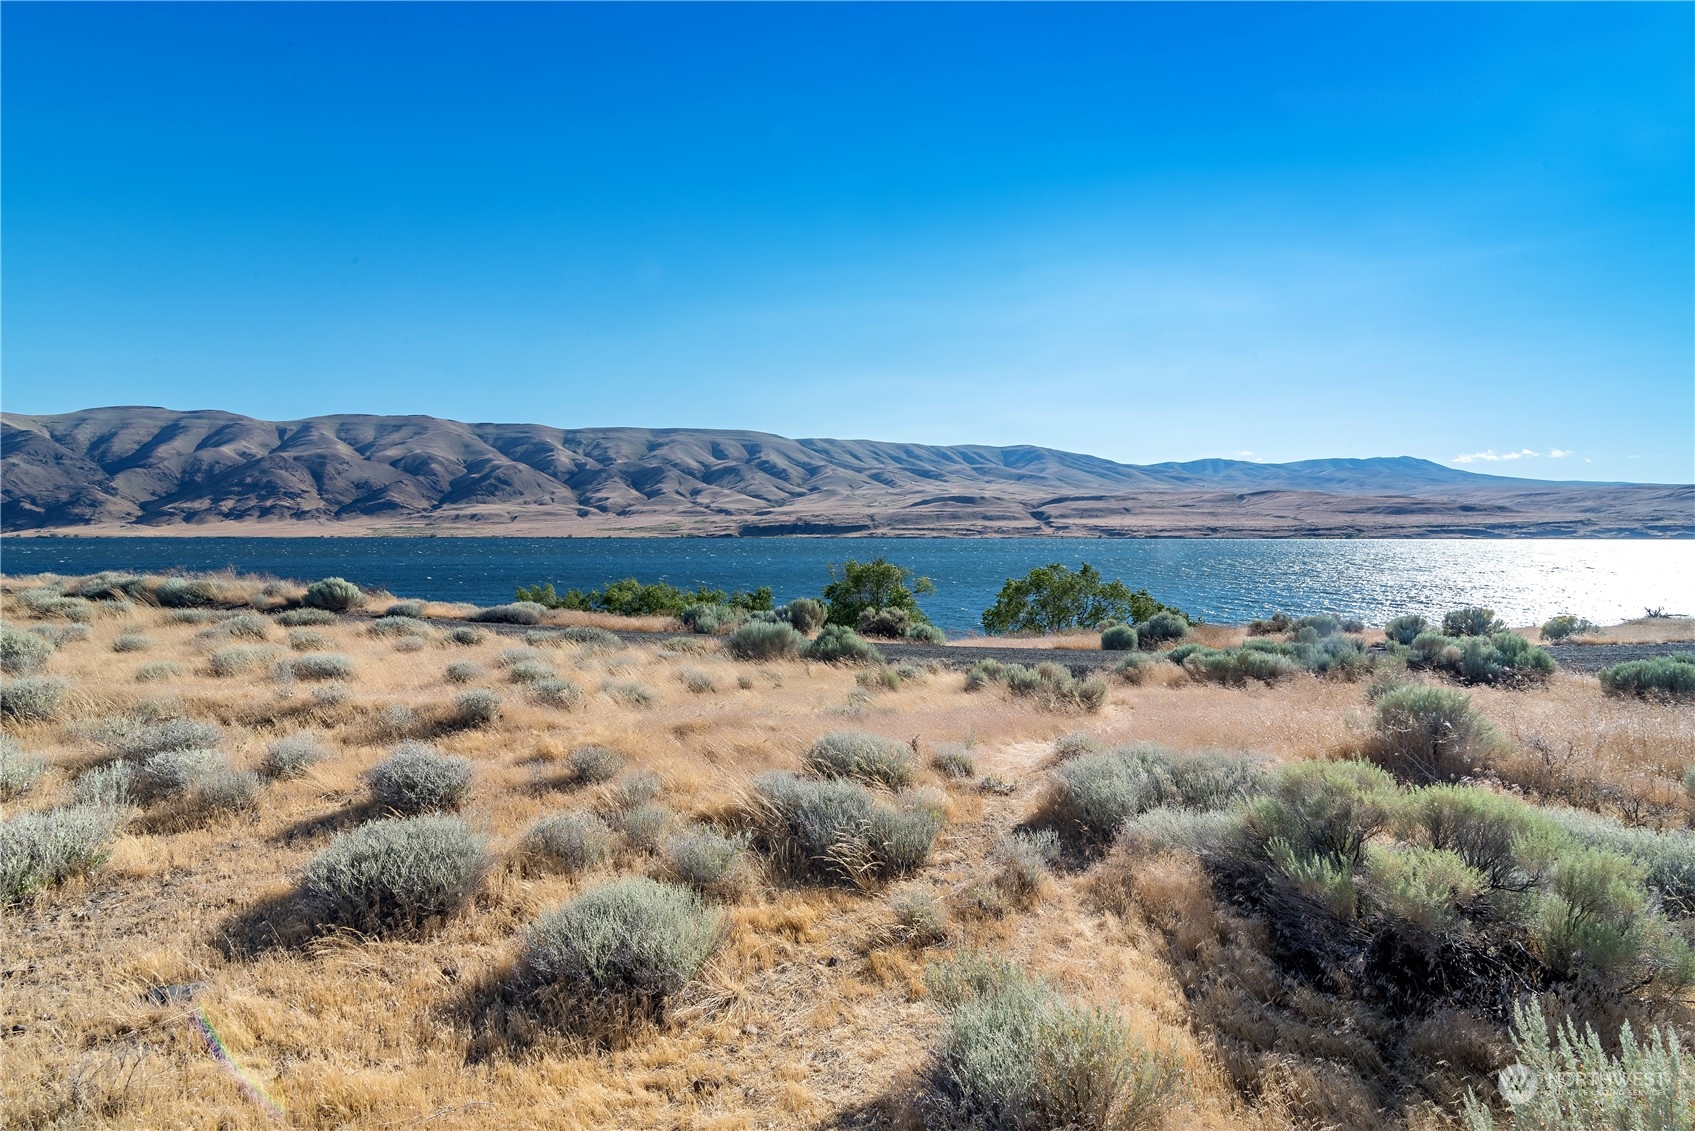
[
  {"x": 1025, "y": 858},
  {"x": 133, "y": 642},
  {"x": 839, "y": 644},
  {"x": 645, "y": 824},
  {"x": 952, "y": 760},
  {"x": 1161, "y": 628},
  {"x": 637, "y": 789},
  {"x": 1471, "y": 621},
  {"x": 1120, "y": 638},
  {"x": 697, "y": 681},
  {"x": 304, "y": 618},
  {"x": 1405, "y": 629},
  {"x": 706, "y": 859},
  {"x": 835, "y": 829},
  {"x": 137, "y": 738},
  {"x": 1670, "y": 676},
  {"x": 242, "y": 626},
  {"x": 40, "y": 850},
  {"x": 763, "y": 641},
  {"x": 110, "y": 785},
  {"x": 530, "y": 671},
  {"x": 1566, "y": 625},
  {"x": 226, "y": 662},
  {"x": 417, "y": 778},
  {"x": 1135, "y": 667},
  {"x": 465, "y": 671},
  {"x": 335, "y": 594},
  {"x": 412, "y": 609},
  {"x": 519, "y": 612},
  {"x": 920, "y": 919},
  {"x": 476, "y": 708},
  {"x": 292, "y": 756},
  {"x": 567, "y": 842},
  {"x": 629, "y": 693},
  {"x": 172, "y": 773},
  {"x": 18, "y": 771},
  {"x": 306, "y": 640},
  {"x": 393, "y": 625},
  {"x": 399, "y": 873},
  {"x": 321, "y": 666},
  {"x": 1090, "y": 796},
  {"x": 926, "y": 634},
  {"x": 159, "y": 669},
  {"x": 60, "y": 635},
  {"x": 593, "y": 764},
  {"x": 634, "y": 939},
  {"x": 589, "y": 637},
  {"x": 32, "y": 699},
  {"x": 466, "y": 635},
  {"x": 889, "y": 624},
  {"x": 1426, "y": 734},
  {"x": 806, "y": 614},
  {"x": 557, "y": 692},
  {"x": 868, "y": 757}
]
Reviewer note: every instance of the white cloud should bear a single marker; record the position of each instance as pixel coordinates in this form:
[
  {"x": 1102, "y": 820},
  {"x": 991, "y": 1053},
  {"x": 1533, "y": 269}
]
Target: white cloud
[
  {"x": 1491, "y": 455},
  {"x": 1558, "y": 453}
]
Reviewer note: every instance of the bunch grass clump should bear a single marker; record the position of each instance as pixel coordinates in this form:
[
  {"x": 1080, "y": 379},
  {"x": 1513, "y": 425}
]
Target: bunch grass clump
[
  {"x": 416, "y": 778},
  {"x": 806, "y": 614},
  {"x": 954, "y": 761},
  {"x": 395, "y": 874},
  {"x": 133, "y": 642}
]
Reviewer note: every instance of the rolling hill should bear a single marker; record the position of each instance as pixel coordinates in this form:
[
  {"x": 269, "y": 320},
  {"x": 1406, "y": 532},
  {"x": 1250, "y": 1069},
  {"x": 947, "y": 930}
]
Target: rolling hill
[{"x": 158, "y": 471}]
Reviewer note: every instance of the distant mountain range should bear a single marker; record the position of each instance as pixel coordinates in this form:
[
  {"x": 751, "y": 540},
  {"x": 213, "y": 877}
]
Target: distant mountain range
[{"x": 156, "y": 471}]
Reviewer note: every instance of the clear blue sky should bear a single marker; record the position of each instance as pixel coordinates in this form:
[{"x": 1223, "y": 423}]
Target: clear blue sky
[{"x": 1141, "y": 231}]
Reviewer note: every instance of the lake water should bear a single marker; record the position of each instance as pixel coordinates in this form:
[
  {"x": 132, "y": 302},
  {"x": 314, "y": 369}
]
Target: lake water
[{"x": 1223, "y": 580}]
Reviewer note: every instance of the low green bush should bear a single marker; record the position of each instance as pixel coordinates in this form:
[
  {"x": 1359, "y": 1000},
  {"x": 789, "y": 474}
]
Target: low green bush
[
  {"x": 886, "y": 624},
  {"x": 1161, "y": 628},
  {"x": 838, "y": 644},
  {"x": 635, "y": 940},
  {"x": 416, "y": 778},
  {"x": 1405, "y": 629},
  {"x": 1135, "y": 667},
  {"x": 33, "y": 699},
  {"x": 925, "y": 634},
  {"x": 761, "y": 641},
  {"x": 1503, "y": 658},
  {"x": 21, "y": 652},
  {"x": 242, "y": 626},
  {"x": 111, "y": 785},
  {"x": 1430, "y": 734},
  {"x": 395, "y": 875},
  {"x": 571, "y": 842},
  {"x": 1120, "y": 638},
  {"x": 333, "y": 594},
  {"x": 1090, "y": 796},
  {"x": 1669, "y": 676},
  {"x": 1566, "y": 625},
  {"x": 1016, "y": 1053},
  {"x": 868, "y": 757},
  {"x": 40, "y": 850},
  {"x": 173, "y": 773},
  {"x": 590, "y": 637},
  {"x": 59, "y": 635}
]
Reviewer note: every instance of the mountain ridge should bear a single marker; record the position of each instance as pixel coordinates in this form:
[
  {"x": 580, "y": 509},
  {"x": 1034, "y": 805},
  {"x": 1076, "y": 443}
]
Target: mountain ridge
[{"x": 146, "y": 469}]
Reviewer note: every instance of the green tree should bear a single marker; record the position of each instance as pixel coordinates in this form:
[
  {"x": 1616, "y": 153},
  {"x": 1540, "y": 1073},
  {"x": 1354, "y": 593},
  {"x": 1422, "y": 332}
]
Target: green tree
[
  {"x": 1052, "y": 598},
  {"x": 879, "y": 584}
]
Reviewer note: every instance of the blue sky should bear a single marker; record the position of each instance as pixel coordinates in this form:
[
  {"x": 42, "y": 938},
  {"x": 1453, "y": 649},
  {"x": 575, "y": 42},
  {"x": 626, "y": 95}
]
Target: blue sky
[{"x": 1147, "y": 232}]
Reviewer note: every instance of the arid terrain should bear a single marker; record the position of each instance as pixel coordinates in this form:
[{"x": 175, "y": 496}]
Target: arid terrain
[
  {"x": 157, "y": 471},
  {"x": 814, "y": 1010}
]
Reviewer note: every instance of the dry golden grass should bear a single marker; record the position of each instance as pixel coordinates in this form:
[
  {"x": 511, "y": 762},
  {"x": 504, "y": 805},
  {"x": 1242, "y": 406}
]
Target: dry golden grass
[
  {"x": 1642, "y": 630},
  {"x": 808, "y": 1016}
]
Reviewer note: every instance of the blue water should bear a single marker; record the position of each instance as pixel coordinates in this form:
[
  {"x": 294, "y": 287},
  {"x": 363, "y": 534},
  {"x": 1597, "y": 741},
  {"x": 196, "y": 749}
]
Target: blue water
[{"x": 1223, "y": 580}]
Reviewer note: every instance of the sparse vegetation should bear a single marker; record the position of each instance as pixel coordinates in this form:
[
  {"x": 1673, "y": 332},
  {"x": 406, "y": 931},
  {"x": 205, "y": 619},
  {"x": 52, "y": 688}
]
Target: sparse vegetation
[{"x": 1048, "y": 684}]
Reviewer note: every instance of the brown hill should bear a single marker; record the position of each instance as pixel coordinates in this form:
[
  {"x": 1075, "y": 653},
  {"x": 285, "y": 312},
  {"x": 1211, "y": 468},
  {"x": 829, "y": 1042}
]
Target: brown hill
[{"x": 158, "y": 471}]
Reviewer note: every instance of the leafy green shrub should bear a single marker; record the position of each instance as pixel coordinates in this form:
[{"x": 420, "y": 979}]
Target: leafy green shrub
[
  {"x": 395, "y": 874},
  {"x": 570, "y": 842},
  {"x": 635, "y": 940},
  {"x": 1671, "y": 676},
  {"x": 226, "y": 662},
  {"x": 18, "y": 771},
  {"x": 868, "y": 757},
  {"x": 706, "y": 860},
  {"x": 321, "y": 665},
  {"x": 806, "y": 614},
  {"x": 1578, "y": 1085},
  {"x": 292, "y": 756},
  {"x": 21, "y": 652},
  {"x": 466, "y": 635},
  {"x": 33, "y": 699},
  {"x": 465, "y": 671},
  {"x": 1504, "y": 658},
  {"x": 709, "y": 620},
  {"x": 593, "y": 764},
  {"x": 1016, "y": 1053},
  {"x": 416, "y": 778},
  {"x": 1120, "y": 638},
  {"x": 1566, "y": 625},
  {"x": 305, "y": 618},
  {"x": 838, "y": 644},
  {"x": 479, "y": 707},
  {"x": 159, "y": 669},
  {"x": 757, "y": 641},
  {"x": 954, "y": 761},
  {"x": 519, "y": 612},
  {"x": 1051, "y": 598},
  {"x": 1426, "y": 734},
  {"x": 1471, "y": 621},
  {"x": 334, "y": 594},
  {"x": 1667, "y": 858},
  {"x": 630, "y": 598},
  {"x": 880, "y": 584},
  {"x": 1161, "y": 628},
  {"x": 556, "y": 693},
  {"x": 40, "y": 850}
]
